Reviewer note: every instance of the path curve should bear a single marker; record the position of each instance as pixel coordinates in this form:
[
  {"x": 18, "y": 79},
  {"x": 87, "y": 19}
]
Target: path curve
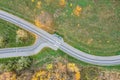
[{"x": 92, "y": 59}]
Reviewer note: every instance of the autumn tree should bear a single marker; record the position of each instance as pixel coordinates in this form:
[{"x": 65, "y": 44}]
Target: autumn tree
[
  {"x": 77, "y": 11},
  {"x": 58, "y": 71},
  {"x": 72, "y": 68},
  {"x": 62, "y": 3},
  {"x": 8, "y": 76}
]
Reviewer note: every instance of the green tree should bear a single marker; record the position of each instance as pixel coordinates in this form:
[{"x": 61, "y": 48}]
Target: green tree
[{"x": 22, "y": 63}]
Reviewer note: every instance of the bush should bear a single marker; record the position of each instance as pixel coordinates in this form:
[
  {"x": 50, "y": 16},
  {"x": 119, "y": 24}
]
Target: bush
[{"x": 16, "y": 64}]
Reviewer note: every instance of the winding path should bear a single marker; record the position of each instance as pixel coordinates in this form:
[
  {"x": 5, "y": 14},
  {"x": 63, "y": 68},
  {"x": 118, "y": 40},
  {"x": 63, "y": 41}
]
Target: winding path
[{"x": 45, "y": 39}]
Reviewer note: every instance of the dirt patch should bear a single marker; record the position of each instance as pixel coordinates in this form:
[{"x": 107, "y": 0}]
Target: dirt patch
[{"x": 45, "y": 21}]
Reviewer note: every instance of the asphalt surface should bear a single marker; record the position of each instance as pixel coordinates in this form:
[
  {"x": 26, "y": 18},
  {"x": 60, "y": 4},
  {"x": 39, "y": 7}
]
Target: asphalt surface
[{"x": 52, "y": 42}]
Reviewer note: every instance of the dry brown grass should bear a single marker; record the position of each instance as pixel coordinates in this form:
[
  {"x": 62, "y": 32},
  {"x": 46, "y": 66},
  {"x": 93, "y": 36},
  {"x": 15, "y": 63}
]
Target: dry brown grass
[
  {"x": 45, "y": 21},
  {"x": 109, "y": 75}
]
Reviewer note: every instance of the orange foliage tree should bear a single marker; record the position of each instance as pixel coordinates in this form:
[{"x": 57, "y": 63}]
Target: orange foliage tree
[
  {"x": 8, "y": 76},
  {"x": 62, "y": 2}
]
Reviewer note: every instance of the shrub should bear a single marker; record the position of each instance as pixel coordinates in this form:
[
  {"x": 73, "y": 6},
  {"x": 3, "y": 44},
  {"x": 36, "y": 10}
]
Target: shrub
[{"x": 16, "y": 64}]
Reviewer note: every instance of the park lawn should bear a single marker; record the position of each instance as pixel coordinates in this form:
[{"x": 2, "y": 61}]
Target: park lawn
[
  {"x": 96, "y": 31},
  {"x": 8, "y": 31}
]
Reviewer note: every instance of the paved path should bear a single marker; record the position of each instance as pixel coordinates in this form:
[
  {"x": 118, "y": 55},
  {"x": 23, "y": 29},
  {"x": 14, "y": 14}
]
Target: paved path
[
  {"x": 52, "y": 42},
  {"x": 39, "y": 44}
]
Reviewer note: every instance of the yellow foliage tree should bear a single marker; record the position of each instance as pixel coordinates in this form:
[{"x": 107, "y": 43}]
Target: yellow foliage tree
[
  {"x": 41, "y": 75},
  {"x": 38, "y": 23},
  {"x": 73, "y": 68},
  {"x": 58, "y": 71},
  {"x": 39, "y": 3},
  {"x": 62, "y": 2},
  {"x": 77, "y": 10},
  {"x": 32, "y": 0},
  {"x": 49, "y": 66},
  {"x": 77, "y": 76}
]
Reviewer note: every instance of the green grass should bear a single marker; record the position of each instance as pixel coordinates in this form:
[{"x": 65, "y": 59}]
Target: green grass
[
  {"x": 8, "y": 31},
  {"x": 98, "y": 31}
]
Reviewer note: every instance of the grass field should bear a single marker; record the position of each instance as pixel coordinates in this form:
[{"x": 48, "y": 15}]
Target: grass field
[
  {"x": 96, "y": 31},
  {"x": 8, "y": 31}
]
